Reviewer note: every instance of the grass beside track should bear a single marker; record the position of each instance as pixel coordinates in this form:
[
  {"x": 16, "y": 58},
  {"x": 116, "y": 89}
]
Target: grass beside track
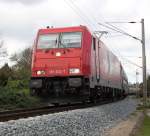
[
  {"x": 145, "y": 128},
  {"x": 12, "y": 98}
]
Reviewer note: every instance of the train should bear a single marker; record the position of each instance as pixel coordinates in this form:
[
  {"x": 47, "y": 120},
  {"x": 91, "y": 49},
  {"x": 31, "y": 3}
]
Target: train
[{"x": 72, "y": 64}]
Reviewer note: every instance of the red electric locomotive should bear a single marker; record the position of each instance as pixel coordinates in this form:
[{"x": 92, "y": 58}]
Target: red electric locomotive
[{"x": 70, "y": 63}]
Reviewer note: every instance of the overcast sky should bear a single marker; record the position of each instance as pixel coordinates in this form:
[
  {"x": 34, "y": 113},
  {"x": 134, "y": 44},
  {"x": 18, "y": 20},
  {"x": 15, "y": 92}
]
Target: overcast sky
[{"x": 20, "y": 20}]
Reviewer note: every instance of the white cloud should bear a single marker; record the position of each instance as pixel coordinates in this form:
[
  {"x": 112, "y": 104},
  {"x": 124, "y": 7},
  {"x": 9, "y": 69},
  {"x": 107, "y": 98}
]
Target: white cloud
[{"x": 23, "y": 1}]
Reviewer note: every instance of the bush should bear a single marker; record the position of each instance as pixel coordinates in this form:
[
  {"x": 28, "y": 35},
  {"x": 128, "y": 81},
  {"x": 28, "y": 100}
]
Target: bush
[
  {"x": 18, "y": 84},
  {"x": 5, "y": 73},
  {"x": 14, "y": 98}
]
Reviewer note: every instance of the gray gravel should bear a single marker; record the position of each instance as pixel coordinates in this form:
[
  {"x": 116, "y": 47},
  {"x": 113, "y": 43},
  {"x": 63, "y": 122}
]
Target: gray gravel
[{"x": 83, "y": 122}]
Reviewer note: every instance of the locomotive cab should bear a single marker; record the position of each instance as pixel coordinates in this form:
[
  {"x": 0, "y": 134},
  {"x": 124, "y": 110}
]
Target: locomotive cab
[
  {"x": 58, "y": 54},
  {"x": 57, "y": 61}
]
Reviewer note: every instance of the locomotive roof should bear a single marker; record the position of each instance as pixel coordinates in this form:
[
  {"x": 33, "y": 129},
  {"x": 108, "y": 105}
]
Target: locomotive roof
[{"x": 63, "y": 29}]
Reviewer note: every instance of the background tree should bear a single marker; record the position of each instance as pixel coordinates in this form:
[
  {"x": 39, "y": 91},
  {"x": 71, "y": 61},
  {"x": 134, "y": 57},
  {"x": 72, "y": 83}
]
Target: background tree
[
  {"x": 3, "y": 51},
  {"x": 148, "y": 87},
  {"x": 5, "y": 70},
  {"x": 5, "y": 74},
  {"x": 22, "y": 67},
  {"x": 14, "y": 82}
]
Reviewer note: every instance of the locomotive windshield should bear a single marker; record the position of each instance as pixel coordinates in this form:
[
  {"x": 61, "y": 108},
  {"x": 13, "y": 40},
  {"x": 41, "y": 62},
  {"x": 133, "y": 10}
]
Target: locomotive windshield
[
  {"x": 70, "y": 40},
  {"x": 48, "y": 41},
  {"x": 62, "y": 40}
]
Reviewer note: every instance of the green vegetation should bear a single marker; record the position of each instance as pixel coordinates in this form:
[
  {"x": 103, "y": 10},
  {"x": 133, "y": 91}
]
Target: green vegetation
[
  {"x": 14, "y": 81},
  {"x": 148, "y": 103},
  {"x": 15, "y": 98},
  {"x": 148, "y": 87},
  {"x": 145, "y": 129},
  {"x": 142, "y": 107}
]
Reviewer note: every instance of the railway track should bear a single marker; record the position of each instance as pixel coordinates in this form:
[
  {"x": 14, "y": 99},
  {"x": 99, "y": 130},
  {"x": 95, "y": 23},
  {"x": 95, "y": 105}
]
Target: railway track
[{"x": 24, "y": 113}]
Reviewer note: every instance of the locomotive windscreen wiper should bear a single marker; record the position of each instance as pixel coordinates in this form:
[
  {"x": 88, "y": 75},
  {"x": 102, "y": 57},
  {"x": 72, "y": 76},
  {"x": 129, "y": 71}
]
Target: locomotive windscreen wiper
[{"x": 63, "y": 45}]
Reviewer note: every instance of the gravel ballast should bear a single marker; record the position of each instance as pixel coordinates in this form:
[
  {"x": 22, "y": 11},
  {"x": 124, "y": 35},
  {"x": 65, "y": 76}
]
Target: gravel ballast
[{"x": 82, "y": 122}]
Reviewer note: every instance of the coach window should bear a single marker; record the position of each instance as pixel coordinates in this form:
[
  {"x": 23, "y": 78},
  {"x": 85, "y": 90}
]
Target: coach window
[{"x": 70, "y": 40}]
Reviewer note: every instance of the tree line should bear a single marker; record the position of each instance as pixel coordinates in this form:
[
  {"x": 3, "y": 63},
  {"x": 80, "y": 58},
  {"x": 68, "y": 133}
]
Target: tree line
[{"x": 21, "y": 69}]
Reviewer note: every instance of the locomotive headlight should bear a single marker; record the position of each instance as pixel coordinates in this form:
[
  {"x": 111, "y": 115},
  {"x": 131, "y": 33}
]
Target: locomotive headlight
[
  {"x": 40, "y": 72},
  {"x": 74, "y": 70},
  {"x": 58, "y": 54}
]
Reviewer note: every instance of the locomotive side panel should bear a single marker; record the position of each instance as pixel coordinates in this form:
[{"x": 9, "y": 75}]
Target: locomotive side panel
[
  {"x": 114, "y": 71},
  {"x": 124, "y": 81},
  {"x": 93, "y": 64},
  {"x": 86, "y": 53},
  {"x": 104, "y": 65}
]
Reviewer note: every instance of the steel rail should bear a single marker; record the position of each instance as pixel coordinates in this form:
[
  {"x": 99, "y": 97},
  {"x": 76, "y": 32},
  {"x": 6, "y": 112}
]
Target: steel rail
[{"x": 32, "y": 112}]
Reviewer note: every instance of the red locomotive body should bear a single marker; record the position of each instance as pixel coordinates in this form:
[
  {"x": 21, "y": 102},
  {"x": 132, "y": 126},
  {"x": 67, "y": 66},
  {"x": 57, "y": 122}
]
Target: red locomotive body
[
  {"x": 72, "y": 62},
  {"x": 59, "y": 61}
]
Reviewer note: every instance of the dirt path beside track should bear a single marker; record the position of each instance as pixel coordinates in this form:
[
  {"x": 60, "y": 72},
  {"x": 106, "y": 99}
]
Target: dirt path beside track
[{"x": 127, "y": 127}]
